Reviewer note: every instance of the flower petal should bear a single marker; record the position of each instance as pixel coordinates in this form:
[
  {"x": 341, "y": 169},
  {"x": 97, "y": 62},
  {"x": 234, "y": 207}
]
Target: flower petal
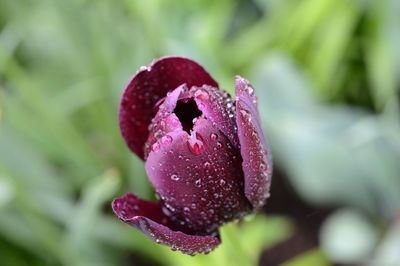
[
  {"x": 199, "y": 178},
  {"x": 147, "y": 87},
  {"x": 165, "y": 120},
  {"x": 148, "y": 217},
  {"x": 219, "y": 107},
  {"x": 257, "y": 164}
]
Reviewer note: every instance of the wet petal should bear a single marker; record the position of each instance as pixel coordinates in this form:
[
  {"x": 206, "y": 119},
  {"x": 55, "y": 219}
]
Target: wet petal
[
  {"x": 199, "y": 178},
  {"x": 149, "y": 218},
  {"x": 257, "y": 164},
  {"x": 219, "y": 107},
  {"x": 165, "y": 120},
  {"x": 147, "y": 87}
]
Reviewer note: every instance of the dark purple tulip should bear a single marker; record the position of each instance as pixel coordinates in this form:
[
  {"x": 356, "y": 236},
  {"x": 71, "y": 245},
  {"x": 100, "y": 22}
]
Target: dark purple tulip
[{"x": 205, "y": 154}]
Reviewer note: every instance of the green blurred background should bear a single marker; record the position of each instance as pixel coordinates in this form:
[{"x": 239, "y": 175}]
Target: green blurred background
[{"x": 327, "y": 76}]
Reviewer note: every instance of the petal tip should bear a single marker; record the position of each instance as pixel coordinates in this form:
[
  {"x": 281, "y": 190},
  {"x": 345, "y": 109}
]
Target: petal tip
[{"x": 144, "y": 90}]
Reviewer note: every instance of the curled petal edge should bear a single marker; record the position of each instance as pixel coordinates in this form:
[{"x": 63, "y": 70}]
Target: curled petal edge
[
  {"x": 159, "y": 233},
  {"x": 257, "y": 161}
]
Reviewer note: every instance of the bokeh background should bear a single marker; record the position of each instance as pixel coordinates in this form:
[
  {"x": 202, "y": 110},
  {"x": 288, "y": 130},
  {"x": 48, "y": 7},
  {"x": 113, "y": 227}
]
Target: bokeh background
[{"x": 327, "y": 76}]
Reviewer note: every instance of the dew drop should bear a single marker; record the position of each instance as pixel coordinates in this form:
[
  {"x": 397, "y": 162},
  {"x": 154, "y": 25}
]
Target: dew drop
[
  {"x": 219, "y": 145},
  {"x": 213, "y": 136},
  {"x": 222, "y": 183},
  {"x": 175, "y": 177},
  {"x": 201, "y": 106},
  {"x": 156, "y": 147},
  {"x": 250, "y": 90},
  {"x": 166, "y": 140},
  {"x": 174, "y": 121},
  {"x": 202, "y": 94},
  {"x": 196, "y": 144},
  {"x": 245, "y": 114}
]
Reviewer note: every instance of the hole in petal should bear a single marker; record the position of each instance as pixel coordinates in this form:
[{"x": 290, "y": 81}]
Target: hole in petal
[{"x": 186, "y": 112}]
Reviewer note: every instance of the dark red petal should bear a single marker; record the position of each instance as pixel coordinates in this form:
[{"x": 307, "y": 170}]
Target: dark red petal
[
  {"x": 149, "y": 218},
  {"x": 147, "y": 87},
  {"x": 219, "y": 107},
  {"x": 199, "y": 178},
  {"x": 257, "y": 164},
  {"x": 165, "y": 120}
]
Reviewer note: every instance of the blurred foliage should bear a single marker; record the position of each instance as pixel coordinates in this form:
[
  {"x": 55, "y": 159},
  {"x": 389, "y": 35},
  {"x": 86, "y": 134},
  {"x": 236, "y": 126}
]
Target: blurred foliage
[{"x": 327, "y": 75}]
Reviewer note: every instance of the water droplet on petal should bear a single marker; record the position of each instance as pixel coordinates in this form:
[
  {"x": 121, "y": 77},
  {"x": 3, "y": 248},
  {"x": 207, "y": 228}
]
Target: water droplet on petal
[
  {"x": 201, "y": 106},
  {"x": 245, "y": 114},
  {"x": 175, "y": 177},
  {"x": 174, "y": 121},
  {"x": 254, "y": 135},
  {"x": 196, "y": 144},
  {"x": 219, "y": 145},
  {"x": 250, "y": 90},
  {"x": 202, "y": 94},
  {"x": 222, "y": 182},
  {"x": 198, "y": 182},
  {"x": 166, "y": 140},
  {"x": 156, "y": 147},
  {"x": 207, "y": 165},
  {"x": 213, "y": 136}
]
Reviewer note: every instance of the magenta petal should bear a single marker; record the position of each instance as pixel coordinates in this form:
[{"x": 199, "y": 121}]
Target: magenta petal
[
  {"x": 199, "y": 178},
  {"x": 149, "y": 218},
  {"x": 257, "y": 164},
  {"x": 147, "y": 87},
  {"x": 219, "y": 107}
]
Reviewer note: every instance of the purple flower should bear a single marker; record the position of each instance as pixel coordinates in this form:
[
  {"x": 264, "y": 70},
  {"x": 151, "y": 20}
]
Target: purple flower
[{"x": 205, "y": 154}]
